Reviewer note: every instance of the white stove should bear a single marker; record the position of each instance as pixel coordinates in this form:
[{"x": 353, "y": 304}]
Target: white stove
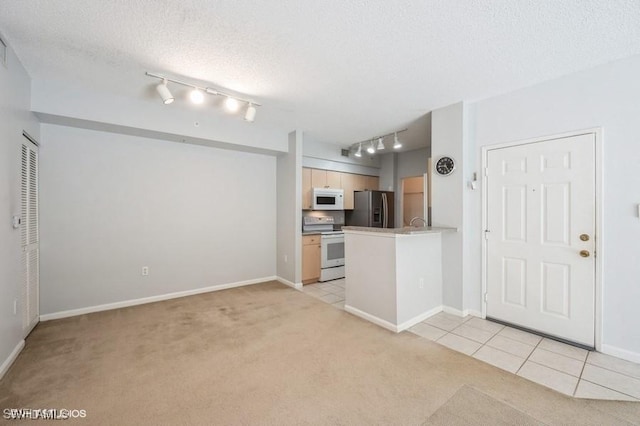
[{"x": 331, "y": 243}]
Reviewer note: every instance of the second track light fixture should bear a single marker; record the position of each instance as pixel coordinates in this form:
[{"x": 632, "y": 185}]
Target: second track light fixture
[
  {"x": 232, "y": 103},
  {"x": 379, "y": 146}
]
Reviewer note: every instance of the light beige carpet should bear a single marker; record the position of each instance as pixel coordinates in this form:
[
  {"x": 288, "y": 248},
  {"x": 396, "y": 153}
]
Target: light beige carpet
[
  {"x": 469, "y": 406},
  {"x": 265, "y": 354}
]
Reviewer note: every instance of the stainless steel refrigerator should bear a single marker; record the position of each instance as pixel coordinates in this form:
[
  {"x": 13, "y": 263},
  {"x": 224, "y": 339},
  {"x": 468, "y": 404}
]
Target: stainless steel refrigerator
[{"x": 373, "y": 209}]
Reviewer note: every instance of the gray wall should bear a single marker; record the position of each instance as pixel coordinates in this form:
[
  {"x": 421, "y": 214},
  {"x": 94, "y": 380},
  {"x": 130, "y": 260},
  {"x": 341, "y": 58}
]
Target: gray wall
[
  {"x": 606, "y": 96},
  {"x": 388, "y": 171},
  {"x": 396, "y": 166},
  {"x": 15, "y": 117},
  {"x": 412, "y": 163},
  {"x": 110, "y": 204}
]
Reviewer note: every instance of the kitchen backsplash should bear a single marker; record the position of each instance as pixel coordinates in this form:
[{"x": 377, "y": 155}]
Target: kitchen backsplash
[{"x": 338, "y": 215}]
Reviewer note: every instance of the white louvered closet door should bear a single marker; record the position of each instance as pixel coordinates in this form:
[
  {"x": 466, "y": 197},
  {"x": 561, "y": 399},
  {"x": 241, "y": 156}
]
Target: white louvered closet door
[{"x": 30, "y": 237}]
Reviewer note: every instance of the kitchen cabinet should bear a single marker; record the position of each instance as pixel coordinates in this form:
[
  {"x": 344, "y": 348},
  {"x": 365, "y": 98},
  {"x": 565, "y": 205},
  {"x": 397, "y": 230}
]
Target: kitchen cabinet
[
  {"x": 306, "y": 189},
  {"x": 348, "y": 185},
  {"x": 310, "y": 258},
  {"x": 349, "y": 182},
  {"x": 325, "y": 179},
  {"x": 372, "y": 183}
]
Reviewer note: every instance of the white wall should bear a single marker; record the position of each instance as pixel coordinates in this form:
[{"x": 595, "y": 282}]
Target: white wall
[
  {"x": 110, "y": 204},
  {"x": 447, "y": 198},
  {"x": 289, "y": 239},
  {"x": 70, "y": 104},
  {"x": 606, "y": 96},
  {"x": 14, "y": 118}
]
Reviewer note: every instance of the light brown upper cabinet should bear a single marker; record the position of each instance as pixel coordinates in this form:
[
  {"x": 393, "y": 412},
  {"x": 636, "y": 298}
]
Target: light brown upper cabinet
[
  {"x": 348, "y": 185},
  {"x": 325, "y": 179},
  {"x": 306, "y": 188},
  {"x": 372, "y": 183},
  {"x": 349, "y": 182}
]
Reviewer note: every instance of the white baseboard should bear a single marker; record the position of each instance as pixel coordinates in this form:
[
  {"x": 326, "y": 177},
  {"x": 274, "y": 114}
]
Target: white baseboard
[
  {"x": 297, "y": 286},
  {"x": 621, "y": 353},
  {"x": 459, "y": 313},
  {"x": 378, "y": 321},
  {"x": 413, "y": 321},
  {"x": 142, "y": 301},
  {"x": 473, "y": 313},
  {"x": 390, "y": 326},
  {"x": 11, "y": 358}
]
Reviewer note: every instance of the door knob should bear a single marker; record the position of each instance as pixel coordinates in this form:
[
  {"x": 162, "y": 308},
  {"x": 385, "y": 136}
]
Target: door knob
[
  {"x": 585, "y": 253},
  {"x": 584, "y": 237}
]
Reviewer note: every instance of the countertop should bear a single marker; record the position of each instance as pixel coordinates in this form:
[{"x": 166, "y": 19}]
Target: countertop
[{"x": 407, "y": 230}]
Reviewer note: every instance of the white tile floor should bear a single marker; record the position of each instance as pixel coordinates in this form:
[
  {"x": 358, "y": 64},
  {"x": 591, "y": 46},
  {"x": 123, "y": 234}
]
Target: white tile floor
[
  {"x": 331, "y": 292},
  {"x": 567, "y": 369}
]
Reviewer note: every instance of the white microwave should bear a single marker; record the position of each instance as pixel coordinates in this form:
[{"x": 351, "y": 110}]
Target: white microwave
[{"x": 328, "y": 199}]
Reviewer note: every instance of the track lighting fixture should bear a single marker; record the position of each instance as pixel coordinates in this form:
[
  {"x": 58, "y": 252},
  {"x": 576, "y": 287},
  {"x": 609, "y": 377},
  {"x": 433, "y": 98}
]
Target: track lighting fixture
[
  {"x": 250, "y": 115},
  {"x": 164, "y": 92},
  {"x": 196, "y": 96},
  {"x": 379, "y": 146},
  {"x": 396, "y": 142},
  {"x": 232, "y": 102}
]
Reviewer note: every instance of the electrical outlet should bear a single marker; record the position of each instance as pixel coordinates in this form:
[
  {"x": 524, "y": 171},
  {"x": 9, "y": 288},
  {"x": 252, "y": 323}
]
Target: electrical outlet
[
  {"x": 286, "y": 258},
  {"x": 421, "y": 283},
  {"x": 145, "y": 271}
]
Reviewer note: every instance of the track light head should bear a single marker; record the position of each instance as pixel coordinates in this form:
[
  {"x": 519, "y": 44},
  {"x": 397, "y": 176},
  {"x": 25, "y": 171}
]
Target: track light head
[
  {"x": 196, "y": 96},
  {"x": 371, "y": 149},
  {"x": 231, "y": 104},
  {"x": 359, "y": 151},
  {"x": 164, "y": 92},
  {"x": 380, "y": 143},
  {"x": 396, "y": 142},
  {"x": 250, "y": 115}
]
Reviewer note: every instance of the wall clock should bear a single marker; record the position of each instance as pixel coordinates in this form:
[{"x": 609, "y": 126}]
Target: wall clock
[{"x": 445, "y": 166}]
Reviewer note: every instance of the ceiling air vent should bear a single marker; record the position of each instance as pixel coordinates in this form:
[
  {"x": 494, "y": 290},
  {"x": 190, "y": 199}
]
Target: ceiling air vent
[
  {"x": 345, "y": 152},
  {"x": 3, "y": 52}
]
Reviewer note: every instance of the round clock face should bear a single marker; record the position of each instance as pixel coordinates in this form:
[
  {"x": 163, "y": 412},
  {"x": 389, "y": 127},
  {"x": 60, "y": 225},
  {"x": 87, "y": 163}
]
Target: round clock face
[{"x": 445, "y": 166}]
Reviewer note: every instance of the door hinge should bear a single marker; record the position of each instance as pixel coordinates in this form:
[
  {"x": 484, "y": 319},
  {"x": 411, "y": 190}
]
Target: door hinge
[
  {"x": 486, "y": 171},
  {"x": 486, "y": 234},
  {"x": 486, "y": 297}
]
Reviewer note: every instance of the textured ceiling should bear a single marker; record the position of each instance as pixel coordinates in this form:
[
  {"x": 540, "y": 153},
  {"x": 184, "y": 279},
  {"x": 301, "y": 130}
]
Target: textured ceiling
[{"x": 340, "y": 70}]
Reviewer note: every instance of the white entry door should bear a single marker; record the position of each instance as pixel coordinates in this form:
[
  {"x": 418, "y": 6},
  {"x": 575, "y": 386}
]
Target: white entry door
[
  {"x": 29, "y": 236},
  {"x": 540, "y": 236}
]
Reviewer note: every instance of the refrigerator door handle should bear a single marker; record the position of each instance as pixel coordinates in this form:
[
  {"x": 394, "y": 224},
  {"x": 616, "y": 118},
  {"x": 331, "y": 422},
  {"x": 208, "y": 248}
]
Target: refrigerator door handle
[{"x": 385, "y": 210}]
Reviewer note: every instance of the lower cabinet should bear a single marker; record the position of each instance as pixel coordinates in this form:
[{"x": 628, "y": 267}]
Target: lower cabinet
[{"x": 310, "y": 258}]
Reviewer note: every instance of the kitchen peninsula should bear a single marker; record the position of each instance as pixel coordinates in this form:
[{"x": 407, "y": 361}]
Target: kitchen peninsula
[{"x": 393, "y": 275}]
